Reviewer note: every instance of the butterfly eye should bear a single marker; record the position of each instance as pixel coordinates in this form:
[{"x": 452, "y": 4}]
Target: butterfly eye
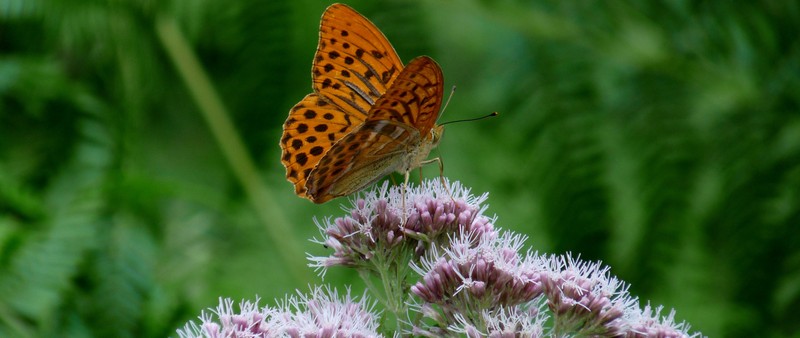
[{"x": 436, "y": 134}]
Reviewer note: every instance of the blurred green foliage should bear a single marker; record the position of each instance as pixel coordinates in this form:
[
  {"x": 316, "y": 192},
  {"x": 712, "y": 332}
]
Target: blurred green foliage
[{"x": 662, "y": 137}]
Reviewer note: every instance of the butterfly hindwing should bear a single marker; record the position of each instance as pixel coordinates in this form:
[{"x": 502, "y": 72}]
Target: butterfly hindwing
[
  {"x": 396, "y": 125},
  {"x": 360, "y": 159},
  {"x": 414, "y": 98}
]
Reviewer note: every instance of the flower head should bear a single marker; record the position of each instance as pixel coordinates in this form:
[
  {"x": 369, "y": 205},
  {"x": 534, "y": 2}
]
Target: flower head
[
  {"x": 249, "y": 321},
  {"x": 649, "y": 323},
  {"x": 322, "y": 313},
  {"x": 374, "y": 224},
  {"x": 523, "y": 321},
  {"x": 476, "y": 273},
  {"x": 584, "y": 297}
]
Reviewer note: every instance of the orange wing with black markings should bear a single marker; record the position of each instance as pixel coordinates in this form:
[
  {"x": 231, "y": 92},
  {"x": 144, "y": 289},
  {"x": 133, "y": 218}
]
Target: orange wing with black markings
[{"x": 368, "y": 114}]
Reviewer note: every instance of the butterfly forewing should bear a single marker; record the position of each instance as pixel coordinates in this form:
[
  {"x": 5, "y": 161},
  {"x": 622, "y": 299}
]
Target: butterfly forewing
[
  {"x": 354, "y": 63},
  {"x": 311, "y": 129},
  {"x": 398, "y": 123}
]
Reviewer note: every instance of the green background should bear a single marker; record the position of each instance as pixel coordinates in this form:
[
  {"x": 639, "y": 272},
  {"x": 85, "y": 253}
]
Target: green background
[{"x": 661, "y": 137}]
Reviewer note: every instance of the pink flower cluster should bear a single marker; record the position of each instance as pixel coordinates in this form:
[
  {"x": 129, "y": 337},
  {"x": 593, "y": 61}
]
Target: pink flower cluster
[
  {"x": 483, "y": 286},
  {"x": 486, "y": 271},
  {"x": 472, "y": 280},
  {"x": 322, "y": 313},
  {"x": 374, "y": 224}
]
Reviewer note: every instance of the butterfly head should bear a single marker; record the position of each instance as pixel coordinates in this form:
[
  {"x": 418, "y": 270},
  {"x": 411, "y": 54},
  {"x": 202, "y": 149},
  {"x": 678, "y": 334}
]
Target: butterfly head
[{"x": 436, "y": 134}]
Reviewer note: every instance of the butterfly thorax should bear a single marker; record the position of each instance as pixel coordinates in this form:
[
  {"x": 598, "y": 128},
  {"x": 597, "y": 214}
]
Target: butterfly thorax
[{"x": 418, "y": 154}]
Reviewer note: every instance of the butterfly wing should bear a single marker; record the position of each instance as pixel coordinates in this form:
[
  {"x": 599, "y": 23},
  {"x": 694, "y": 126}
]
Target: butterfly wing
[
  {"x": 414, "y": 98},
  {"x": 360, "y": 159},
  {"x": 354, "y": 63},
  {"x": 353, "y": 66},
  {"x": 398, "y": 123},
  {"x": 311, "y": 129}
]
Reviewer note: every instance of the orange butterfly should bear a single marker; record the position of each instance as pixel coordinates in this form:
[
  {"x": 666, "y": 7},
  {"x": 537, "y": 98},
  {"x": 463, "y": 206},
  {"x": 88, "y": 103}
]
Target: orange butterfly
[{"x": 368, "y": 115}]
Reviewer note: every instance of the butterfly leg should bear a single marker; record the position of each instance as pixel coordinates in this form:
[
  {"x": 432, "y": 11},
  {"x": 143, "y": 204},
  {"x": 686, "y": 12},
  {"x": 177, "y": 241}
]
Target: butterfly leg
[
  {"x": 441, "y": 175},
  {"x": 403, "y": 197}
]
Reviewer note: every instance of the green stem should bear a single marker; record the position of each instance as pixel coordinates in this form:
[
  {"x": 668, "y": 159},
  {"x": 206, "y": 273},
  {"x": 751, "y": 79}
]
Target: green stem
[
  {"x": 216, "y": 116},
  {"x": 367, "y": 278},
  {"x": 14, "y": 325},
  {"x": 392, "y": 282},
  {"x": 388, "y": 295},
  {"x": 388, "y": 289}
]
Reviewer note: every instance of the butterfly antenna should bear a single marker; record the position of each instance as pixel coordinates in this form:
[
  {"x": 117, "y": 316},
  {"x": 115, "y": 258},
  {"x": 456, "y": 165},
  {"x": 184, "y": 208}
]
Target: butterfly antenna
[
  {"x": 473, "y": 119},
  {"x": 452, "y": 91}
]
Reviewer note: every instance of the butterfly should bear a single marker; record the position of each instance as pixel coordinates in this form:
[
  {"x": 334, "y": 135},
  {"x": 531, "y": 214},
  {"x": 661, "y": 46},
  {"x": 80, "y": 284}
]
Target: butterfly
[{"x": 368, "y": 116}]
